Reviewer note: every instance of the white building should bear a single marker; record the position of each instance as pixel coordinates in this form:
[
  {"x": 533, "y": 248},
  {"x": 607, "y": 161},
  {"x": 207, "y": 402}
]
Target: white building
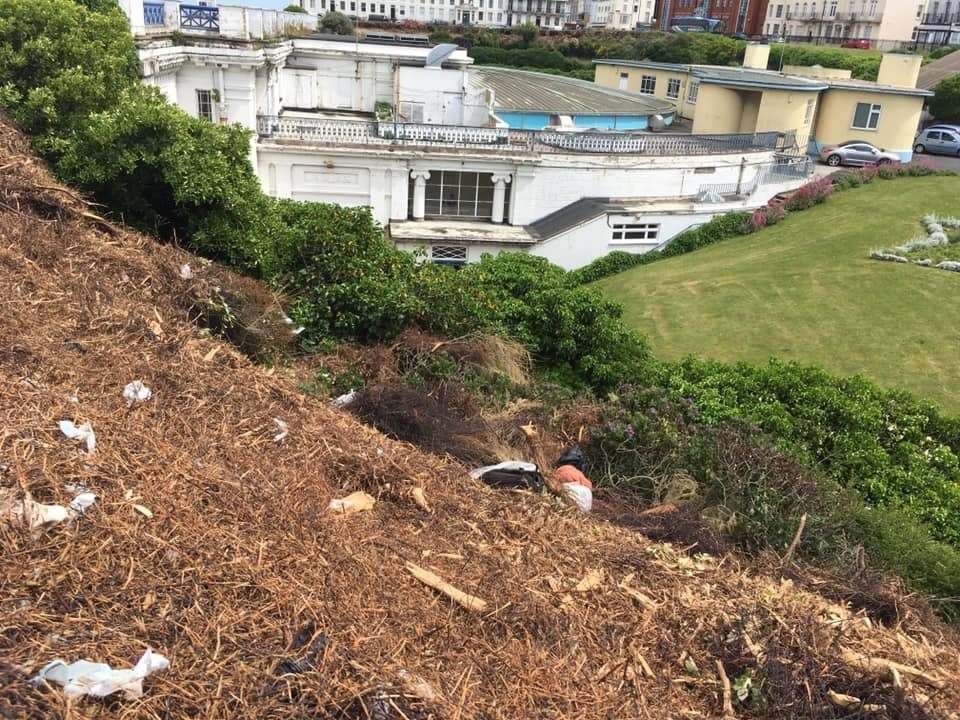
[
  {"x": 472, "y": 160},
  {"x": 614, "y": 14},
  {"x": 548, "y": 14},
  {"x": 885, "y": 23}
]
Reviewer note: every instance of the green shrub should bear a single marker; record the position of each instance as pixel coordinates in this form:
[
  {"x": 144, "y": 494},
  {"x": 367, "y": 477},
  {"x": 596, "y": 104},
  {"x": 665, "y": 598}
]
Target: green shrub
[
  {"x": 294, "y": 9},
  {"x": 942, "y": 52},
  {"x": 945, "y": 105},
  {"x": 336, "y": 23}
]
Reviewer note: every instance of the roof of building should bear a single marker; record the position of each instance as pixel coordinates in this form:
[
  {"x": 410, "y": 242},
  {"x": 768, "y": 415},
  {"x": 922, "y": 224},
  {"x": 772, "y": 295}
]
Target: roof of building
[
  {"x": 431, "y": 231},
  {"x": 680, "y": 67},
  {"x": 572, "y": 215},
  {"x": 933, "y": 72},
  {"x": 752, "y": 78},
  {"x": 523, "y": 91},
  {"x": 867, "y": 86}
]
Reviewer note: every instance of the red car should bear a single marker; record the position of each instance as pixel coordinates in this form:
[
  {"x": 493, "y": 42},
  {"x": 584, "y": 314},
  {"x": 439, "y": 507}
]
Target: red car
[{"x": 856, "y": 44}]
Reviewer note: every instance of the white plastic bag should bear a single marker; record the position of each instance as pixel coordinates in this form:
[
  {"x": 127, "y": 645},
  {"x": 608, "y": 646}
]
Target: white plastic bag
[
  {"x": 581, "y": 496},
  {"x": 136, "y": 391},
  {"x": 84, "y": 433},
  {"x": 344, "y": 400},
  {"x": 99, "y": 679},
  {"x": 506, "y": 465}
]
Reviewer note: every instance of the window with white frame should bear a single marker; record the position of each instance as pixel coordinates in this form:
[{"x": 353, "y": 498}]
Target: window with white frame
[
  {"x": 866, "y": 116},
  {"x": 453, "y": 255},
  {"x": 648, "y": 84},
  {"x": 632, "y": 233},
  {"x": 693, "y": 92},
  {"x": 452, "y": 193},
  {"x": 411, "y": 112},
  {"x": 673, "y": 88},
  {"x": 808, "y": 116},
  {"x": 205, "y": 105}
]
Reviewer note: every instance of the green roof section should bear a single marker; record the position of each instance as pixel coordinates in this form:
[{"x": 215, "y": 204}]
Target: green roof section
[{"x": 524, "y": 91}]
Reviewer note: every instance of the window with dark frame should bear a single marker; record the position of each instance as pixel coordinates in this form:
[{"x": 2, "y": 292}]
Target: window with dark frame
[
  {"x": 630, "y": 233},
  {"x": 452, "y": 255},
  {"x": 866, "y": 116},
  {"x": 673, "y": 88},
  {"x": 648, "y": 84},
  {"x": 465, "y": 195}
]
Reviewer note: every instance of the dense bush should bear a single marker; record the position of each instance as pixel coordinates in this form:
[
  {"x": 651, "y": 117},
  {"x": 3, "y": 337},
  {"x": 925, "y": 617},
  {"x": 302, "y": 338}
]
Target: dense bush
[
  {"x": 863, "y": 66},
  {"x": 945, "y": 105},
  {"x": 809, "y": 194},
  {"x": 942, "y": 52},
  {"x": 336, "y": 23}
]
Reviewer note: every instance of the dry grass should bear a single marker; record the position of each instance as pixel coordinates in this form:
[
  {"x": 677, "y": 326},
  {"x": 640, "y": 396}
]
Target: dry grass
[{"x": 241, "y": 575}]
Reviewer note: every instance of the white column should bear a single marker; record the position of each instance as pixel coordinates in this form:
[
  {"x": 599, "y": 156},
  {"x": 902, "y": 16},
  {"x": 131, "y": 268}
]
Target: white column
[
  {"x": 420, "y": 178},
  {"x": 499, "y": 196},
  {"x": 134, "y": 11}
]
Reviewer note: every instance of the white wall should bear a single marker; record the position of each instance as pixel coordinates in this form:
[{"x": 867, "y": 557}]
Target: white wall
[{"x": 447, "y": 96}]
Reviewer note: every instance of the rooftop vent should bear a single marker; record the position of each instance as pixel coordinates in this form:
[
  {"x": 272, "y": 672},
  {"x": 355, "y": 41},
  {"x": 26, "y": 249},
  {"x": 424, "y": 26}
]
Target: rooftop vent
[{"x": 439, "y": 54}]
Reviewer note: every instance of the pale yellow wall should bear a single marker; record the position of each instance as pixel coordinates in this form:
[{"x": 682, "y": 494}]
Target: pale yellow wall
[
  {"x": 815, "y": 71},
  {"x": 898, "y": 20},
  {"x": 718, "y": 110},
  {"x": 609, "y": 76},
  {"x": 899, "y": 119},
  {"x": 756, "y": 56},
  {"x": 899, "y": 70},
  {"x": 785, "y": 110},
  {"x": 751, "y": 111}
]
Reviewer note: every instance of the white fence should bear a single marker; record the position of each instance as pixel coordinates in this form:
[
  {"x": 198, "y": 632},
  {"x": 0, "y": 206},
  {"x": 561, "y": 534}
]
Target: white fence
[{"x": 228, "y": 21}]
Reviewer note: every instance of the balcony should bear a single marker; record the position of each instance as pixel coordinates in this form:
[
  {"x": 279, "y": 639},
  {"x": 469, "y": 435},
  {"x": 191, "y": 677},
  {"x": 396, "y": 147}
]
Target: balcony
[
  {"x": 504, "y": 140},
  {"x": 226, "y": 21},
  {"x": 941, "y": 19}
]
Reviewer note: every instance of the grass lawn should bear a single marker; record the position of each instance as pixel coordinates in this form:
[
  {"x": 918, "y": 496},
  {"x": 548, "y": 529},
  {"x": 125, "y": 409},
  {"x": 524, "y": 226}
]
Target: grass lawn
[{"x": 805, "y": 290}]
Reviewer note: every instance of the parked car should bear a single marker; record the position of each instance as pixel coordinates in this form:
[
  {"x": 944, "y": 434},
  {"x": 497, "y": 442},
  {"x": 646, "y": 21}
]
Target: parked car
[
  {"x": 938, "y": 141},
  {"x": 856, "y": 152},
  {"x": 856, "y": 44}
]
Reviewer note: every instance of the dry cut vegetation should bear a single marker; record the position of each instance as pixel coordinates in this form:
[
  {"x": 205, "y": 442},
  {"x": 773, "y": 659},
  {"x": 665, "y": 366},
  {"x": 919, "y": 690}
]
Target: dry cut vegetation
[{"x": 270, "y": 606}]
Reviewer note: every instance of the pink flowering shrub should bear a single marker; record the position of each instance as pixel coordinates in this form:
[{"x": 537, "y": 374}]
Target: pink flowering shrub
[{"x": 813, "y": 193}]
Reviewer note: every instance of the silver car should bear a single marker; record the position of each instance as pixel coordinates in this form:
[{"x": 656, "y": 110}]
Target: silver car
[
  {"x": 856, "y": 152},
  {"x": 941, "y": 140}
]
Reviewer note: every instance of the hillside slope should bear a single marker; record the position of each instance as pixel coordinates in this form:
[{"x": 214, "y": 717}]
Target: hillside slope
[
  {"x": 232, "y": 563},
  {"x": 806, "y": 290}
]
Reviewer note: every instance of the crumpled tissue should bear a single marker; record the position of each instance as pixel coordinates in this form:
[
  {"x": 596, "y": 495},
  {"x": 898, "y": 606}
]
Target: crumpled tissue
[{"x": 99, "y": 679}]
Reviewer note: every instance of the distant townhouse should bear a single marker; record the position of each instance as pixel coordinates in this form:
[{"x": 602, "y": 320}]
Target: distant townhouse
[
  {"x": 825, "y": 106},
  {"x": 548, "y": 14},
  {"x": 938, "y": 23},
  {"x": 884, "y": 24},
  {"x": 740, "y": 16},
  {"x": 614, "y": 14}
]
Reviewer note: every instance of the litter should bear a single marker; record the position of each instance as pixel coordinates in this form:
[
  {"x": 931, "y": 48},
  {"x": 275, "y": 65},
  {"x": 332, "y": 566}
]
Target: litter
[
  {"x": 38, "y": 515},
  {"x": 313, "y": 650},
  {"x": 136, "y": 391},
  {"x": 283, "y": 430},
  {"x": 574, "y": 484},
  {"x": 99, "y": 679},
  {"x": 420, "y": 498},
  {"x": 354, "y": 502},
  {"x": 512, "y": 474},
  {"x": 344, "y": 400},
  {"x": 185, "y": 272},
  {"x": 145, "y": 511},
  {"x": 84, "y": 433},
  {"x": 430, "y": 579},
  {"x": 82, "y": 502}
]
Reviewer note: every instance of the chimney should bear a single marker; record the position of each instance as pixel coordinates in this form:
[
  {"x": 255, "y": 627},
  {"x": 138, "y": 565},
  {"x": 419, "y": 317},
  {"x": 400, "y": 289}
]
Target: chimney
[
  {"x": 899, "y": 70},
  {"x": 756, "y": 56}
]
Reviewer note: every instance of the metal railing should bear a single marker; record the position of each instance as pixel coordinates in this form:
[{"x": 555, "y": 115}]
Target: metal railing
[
  {"x": 350, "y": 132},
  {"x": 941, "y": 19},
  {"x": 782, "y": 171},
  {"x": 200, "y": 17},
  {"x": 153, "y": 14}
]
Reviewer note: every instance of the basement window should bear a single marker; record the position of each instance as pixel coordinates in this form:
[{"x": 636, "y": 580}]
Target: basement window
[
  {"x": 205, "y": 105},
  {"x": 866, "y": 116},
  {"x": 452, "y": 255},
  {"x": 629, "y": 233}
]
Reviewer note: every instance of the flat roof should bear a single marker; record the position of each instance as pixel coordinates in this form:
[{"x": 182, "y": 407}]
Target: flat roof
[
  {"x": 460, "y": 231},
  {"x": 524, "y": 91},
  {"x": 867, "y": 86},
  {"x": 679, "y": 67},
  {"x": 749, "y": 77}
]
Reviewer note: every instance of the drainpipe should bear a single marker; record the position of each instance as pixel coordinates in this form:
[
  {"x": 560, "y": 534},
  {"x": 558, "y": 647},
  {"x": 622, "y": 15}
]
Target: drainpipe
[
  {"x": 222, "y": 91},
  {"x": 743, "y": 166}
]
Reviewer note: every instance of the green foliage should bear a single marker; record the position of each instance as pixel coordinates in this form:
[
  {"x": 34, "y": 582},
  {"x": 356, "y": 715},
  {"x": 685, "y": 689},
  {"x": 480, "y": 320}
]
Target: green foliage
[
  {"x": 528, "y": 32},
  {"x": 864, "y": 66},
  {"x": 336, "y": 23},
  {"x": 945, "y": 105},
  {"x": 942, "y": 52},
  {"x": 294, "y": 8}
]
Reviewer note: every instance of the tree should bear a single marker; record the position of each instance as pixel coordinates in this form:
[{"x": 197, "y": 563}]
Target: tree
[
  {"x": 946, "y": 100},
  {"x": 528, "y": 32},
  {"x": 337, "y": 23},
  {"x": 294, "y": 8}
]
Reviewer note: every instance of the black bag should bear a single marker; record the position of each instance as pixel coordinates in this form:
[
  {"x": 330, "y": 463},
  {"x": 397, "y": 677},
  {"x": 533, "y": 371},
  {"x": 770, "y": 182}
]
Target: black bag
[
  {"x": 574, "y": 456},
  {"x": 514, "y": 479}
]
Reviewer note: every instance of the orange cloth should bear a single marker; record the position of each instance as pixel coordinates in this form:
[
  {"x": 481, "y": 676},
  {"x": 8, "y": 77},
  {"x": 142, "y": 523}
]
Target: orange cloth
[{"x": 569, "y": 474}]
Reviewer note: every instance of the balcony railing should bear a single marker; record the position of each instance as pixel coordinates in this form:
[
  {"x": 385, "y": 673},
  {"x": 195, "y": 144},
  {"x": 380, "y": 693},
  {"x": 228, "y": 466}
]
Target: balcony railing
[
  {"x": 941, "y": 19},
  {"x": 153, "y": 14},
  {"x": 200, "y": 17},
  {"x": 784, "y": 170},
  {"x": 348, "y": 132}
]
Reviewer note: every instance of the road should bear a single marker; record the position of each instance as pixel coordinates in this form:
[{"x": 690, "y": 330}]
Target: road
[{"x": 942, "y": 162}]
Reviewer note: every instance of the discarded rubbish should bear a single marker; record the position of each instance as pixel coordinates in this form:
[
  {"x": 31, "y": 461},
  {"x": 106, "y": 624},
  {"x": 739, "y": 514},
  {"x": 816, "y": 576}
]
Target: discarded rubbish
[
  {"x": 418, "y": 687},
  {"x": 569, "y": 475},
  {"x": 99, "y": 679},
  {"x": 282, "y": 430},
  {"x": 145, "y": 511},
  {"x": 311, "y": 648},
  {"x": 512, "y": 474},
  {"x": 433, "y": 580},
  {"x": 136, "y": 391},
  {"x": 354, "y": 502},
  {"x": 420, "y": 498},
  {"x": 185, "y": 272},
  {"x": 344, "y": 400},
  {"x": 574, "y": 456},
  {"x": 82, "y": 502},
  {"x": 84, "y": 433},
  {"x": 38, "y": 515}
]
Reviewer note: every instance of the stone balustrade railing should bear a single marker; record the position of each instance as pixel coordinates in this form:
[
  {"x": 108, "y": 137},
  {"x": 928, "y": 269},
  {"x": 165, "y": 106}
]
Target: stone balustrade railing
[
  {"x": 348, "y": 132},
  {"x": 227, "y": 21}
]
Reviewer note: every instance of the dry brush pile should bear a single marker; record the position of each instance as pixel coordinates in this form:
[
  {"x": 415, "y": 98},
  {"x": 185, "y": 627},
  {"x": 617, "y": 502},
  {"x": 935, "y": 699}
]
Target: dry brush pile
[{"x": 211, "y": 541}]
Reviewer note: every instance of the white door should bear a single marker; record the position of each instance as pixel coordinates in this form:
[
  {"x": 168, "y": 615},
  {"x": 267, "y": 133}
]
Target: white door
[
  {"x": 304, "y": 91},
  {"x": 623, "y": 81}
]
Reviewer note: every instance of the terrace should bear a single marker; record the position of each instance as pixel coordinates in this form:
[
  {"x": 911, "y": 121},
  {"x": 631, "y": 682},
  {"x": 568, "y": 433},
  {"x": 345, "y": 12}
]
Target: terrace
[
  {"x": 224, "y": 21},
  {"x": 330, "y": 132}
]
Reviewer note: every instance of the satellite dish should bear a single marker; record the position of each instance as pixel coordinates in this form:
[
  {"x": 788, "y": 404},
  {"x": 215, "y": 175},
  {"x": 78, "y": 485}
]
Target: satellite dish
[
  {"x": 656, "y": 123},
  {"x": 439, "y": 54}
]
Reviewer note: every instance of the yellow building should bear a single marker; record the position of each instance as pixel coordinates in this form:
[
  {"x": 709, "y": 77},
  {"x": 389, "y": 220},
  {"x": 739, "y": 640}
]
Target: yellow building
[{"x": 823, "y": 106}]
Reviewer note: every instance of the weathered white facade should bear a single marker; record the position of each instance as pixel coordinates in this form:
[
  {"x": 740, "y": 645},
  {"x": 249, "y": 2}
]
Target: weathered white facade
[{"x": 440, "y": 170}]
